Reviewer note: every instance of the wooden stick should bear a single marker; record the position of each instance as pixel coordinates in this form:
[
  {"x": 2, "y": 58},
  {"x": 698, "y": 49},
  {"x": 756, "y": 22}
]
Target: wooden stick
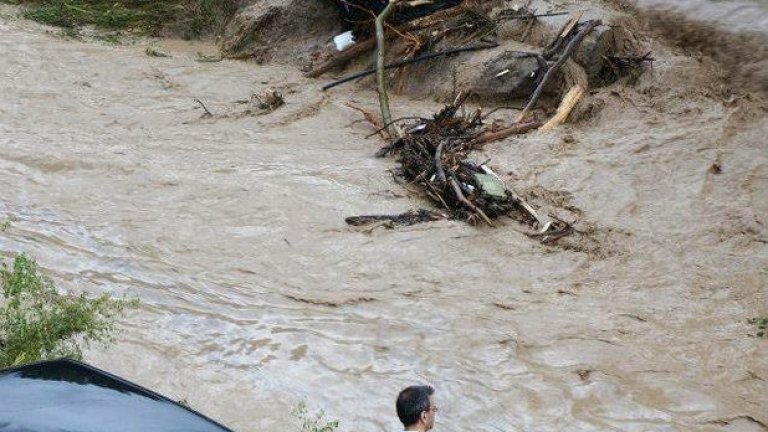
[
  {"x": 562, "y": 34},
  {"x": 518, "y": 199},
  {"x": 571, "y": 24},
  {"x": 386, "y": 115},
  {"x": 515, "y": 129},
  {"x": 570, "y": 100},
  {"x": 370, "y": 117},
  {"x": 439, "y": 162},
  {"x": 207, "y": 113},
  {"x": 460, "y": 196},
  {"x": 437, "y": 194},
  {"x": 551, "y": 72},
  {"x": 526, "y": 16}
]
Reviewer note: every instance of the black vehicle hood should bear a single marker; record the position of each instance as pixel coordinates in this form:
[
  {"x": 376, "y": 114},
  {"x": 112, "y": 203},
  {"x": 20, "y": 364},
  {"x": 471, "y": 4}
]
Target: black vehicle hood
[{"x": 69, "y": 396}]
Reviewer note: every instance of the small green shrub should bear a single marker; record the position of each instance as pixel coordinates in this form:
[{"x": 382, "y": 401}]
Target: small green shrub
[
  {"x": 314, "y": 423},
  {"x": 761, "y": 325},
  {"x": 38, "y": 323}
]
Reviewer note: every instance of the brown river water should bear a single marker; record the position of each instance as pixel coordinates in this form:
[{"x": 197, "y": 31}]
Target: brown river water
[
  {"x": 742, "y": 15},
  {"x": 256, "y": 295}
]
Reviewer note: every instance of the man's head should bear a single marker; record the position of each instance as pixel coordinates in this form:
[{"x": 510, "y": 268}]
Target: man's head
[{"x": 416, "y": 408}]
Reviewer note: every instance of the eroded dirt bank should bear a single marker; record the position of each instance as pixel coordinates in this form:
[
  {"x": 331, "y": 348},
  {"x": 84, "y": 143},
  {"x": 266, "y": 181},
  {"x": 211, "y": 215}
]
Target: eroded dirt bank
[{"x": 257, "y": 295}]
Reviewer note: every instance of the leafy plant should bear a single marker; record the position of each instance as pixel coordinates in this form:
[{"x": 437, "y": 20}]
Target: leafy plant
[
  {"x": 762, "y": 326},
  {"x": 38, "y": 323},
  {"x": 314, "y": 422}
]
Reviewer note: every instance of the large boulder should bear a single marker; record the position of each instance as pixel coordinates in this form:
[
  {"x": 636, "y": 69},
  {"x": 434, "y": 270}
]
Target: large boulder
[
  {"x": 282, "y": 30},
  {"x": 493, "y": 75},
  {"x": 508, "y": 75}
]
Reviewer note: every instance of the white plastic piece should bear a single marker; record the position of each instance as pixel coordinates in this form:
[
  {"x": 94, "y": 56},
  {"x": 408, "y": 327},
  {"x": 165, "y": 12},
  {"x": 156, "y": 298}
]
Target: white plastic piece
[
  {"x": 417, "y": 128},
  {"x": 344, "y": 40}
]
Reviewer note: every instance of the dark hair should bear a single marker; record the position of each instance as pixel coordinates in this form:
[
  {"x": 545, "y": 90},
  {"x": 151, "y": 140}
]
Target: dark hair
[{"x": 411, "y": 402}]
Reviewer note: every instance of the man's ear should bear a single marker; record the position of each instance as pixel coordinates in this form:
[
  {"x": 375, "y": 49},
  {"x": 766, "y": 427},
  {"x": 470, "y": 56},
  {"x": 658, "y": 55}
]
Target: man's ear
[{"x": 423, "y": 417}]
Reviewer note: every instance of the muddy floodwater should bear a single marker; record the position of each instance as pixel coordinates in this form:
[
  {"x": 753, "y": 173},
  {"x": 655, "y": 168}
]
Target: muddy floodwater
[
  {"x": 256, "y": 295},
  {"x": 741, "y": 15}
]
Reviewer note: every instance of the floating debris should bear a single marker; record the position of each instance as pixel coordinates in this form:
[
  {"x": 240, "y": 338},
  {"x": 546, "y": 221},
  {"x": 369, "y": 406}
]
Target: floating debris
[{"x": 156, "y": 52}]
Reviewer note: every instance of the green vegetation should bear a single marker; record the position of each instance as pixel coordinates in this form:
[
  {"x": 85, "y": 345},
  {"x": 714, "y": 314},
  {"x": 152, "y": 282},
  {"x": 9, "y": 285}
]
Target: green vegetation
[
  {"x": 7, "y": 223},
  {"x": 762, "y": 326},
  {"x": 38, "y": 323},
  {"x": 187, "y": 18},
  {"x": 314, "y": 423}
]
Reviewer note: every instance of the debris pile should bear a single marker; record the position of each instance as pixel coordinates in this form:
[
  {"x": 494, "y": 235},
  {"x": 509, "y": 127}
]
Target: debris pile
[
  {"x": 267, "y": 101},
  {"x": 434, "y": 153},
  {"x": 507, "y": 48}
]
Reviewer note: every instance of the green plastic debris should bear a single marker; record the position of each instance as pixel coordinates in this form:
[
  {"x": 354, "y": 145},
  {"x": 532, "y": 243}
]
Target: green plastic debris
[{"x": 491, "y": 186}]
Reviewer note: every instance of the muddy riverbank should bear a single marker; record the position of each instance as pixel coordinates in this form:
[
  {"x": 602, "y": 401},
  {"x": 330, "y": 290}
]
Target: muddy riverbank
[{"x": 256, "y": 294}]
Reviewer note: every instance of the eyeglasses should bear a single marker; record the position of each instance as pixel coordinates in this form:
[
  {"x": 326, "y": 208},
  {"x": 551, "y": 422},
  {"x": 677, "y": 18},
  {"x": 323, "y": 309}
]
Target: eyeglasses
[{"x": 432, "y": 408}]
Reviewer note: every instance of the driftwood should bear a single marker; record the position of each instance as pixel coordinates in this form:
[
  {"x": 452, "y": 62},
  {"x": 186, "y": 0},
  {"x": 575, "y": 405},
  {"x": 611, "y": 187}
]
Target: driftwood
[
  {"x": 371, "y": 118},
  {"x": 588, "y": 27},
  {"x": 570, "y": 100},
  {"x": 411, "y": 217},
  {"x": 510, "y": 14},
  {"x": 434, "y": 153},
  {"x": 460, "y": 196},
  {"x": 207, "y": 113},
  {"x": 362, "y": 47},
  {"x": 562, "y": 35}
]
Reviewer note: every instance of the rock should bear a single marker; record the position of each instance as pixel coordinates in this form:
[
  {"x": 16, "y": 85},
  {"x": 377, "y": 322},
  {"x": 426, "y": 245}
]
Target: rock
[
  {"x": 494, "y": 75},
  {"x": 506, "y": 76},
  {"x": 601, "y": 42},
  {"x": 279, "y": 29}
]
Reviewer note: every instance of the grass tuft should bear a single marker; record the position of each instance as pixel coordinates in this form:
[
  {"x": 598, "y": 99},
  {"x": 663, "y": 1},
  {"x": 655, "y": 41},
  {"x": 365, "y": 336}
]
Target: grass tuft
[
  {"x": 186, "y": 18},
  {"x": 761, "y": 326}
]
